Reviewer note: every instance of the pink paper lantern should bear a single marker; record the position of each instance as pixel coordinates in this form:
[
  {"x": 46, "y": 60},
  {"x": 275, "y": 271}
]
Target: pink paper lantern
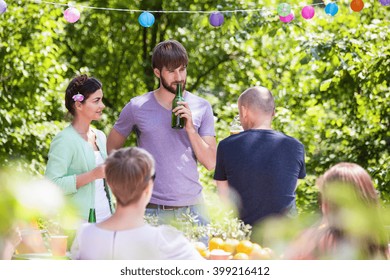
[
  {"x": 287, "y": 18},
  {"x": 71, "y": 15},
  {"x": 308, "y": 12}
]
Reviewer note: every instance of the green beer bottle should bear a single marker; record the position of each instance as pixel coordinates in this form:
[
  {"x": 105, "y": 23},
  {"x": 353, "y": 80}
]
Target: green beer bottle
[
  {"x": 92, "y": 216},
  {"x": 177, "y": 121}
]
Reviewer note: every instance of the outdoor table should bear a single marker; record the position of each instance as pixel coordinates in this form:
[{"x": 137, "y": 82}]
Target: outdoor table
[{"x": 40, "y": 256}]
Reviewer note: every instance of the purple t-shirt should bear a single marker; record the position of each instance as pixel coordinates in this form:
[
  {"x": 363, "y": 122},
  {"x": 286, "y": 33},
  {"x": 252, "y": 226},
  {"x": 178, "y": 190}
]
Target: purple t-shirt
[{"x": 177, "y": 177}]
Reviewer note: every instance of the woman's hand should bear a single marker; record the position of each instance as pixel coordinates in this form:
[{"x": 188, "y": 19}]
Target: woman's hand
[{"x": 99, "y": 172}]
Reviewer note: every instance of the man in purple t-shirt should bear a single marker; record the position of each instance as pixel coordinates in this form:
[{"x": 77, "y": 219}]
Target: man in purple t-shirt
[{"x": 176, "y": 151}]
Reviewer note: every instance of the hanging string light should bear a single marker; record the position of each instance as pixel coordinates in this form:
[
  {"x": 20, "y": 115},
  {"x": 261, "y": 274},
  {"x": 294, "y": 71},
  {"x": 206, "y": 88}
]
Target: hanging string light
[
  {"x": 284, "y": 9},
  {"x": 146, "y": 19},
  {"x": 71, "y": 15},
  {"x": 308, "y": 12},
  {"x": 357, "y": 5},
  {"x": 331, "y": 9},
  {"x": 216, "y": 19},
  {"x": 287, "y": 18}
]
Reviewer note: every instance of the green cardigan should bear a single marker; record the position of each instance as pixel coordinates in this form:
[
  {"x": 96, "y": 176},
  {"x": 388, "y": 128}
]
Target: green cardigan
[{"x": 69, "y": 156}]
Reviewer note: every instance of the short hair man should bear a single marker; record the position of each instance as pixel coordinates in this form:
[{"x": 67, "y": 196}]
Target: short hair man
[{"x": 260, "y": 164}]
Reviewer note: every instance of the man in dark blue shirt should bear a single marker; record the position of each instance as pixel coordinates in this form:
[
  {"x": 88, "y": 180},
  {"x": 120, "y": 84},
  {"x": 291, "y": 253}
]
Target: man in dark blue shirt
[{"x": 261, "y": 165}]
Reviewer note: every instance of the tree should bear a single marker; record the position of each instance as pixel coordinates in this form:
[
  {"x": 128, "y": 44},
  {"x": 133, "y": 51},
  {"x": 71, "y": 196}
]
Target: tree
[{"x": 330, "y": 75}]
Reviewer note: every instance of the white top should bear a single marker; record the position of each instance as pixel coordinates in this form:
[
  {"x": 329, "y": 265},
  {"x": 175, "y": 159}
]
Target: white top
[
  {"x": 142, "y": 243},
  {"x": 102, "y": 205}
]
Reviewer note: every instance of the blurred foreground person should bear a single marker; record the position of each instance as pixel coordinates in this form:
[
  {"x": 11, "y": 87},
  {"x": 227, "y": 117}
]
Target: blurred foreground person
[
  {"x": 130, "y": 173},
  {"x": 9, "y": 243},
  {"x": 351, "y": 226},
  {"x": 25, "y": 200}
]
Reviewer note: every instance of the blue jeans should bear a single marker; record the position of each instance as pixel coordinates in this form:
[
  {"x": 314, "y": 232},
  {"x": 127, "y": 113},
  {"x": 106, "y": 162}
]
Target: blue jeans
[
  {"x": 182, "y": 218},
  {"x": 291, "y": 211},
  {"x": 180, "y": 214}
]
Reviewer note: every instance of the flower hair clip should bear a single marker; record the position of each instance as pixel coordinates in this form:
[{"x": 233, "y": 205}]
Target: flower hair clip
[{"x": 78, "y": 97}]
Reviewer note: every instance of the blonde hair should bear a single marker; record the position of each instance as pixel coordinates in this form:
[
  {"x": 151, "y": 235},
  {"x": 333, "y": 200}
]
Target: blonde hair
[
  {"x": 128, "y": 172},
  {"x": 370, "y": 241},
  {"x": 353, "y": 175}
]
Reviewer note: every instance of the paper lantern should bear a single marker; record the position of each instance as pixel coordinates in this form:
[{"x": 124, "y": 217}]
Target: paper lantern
[
  {"x": 146, "y": 19},
  {"x": 331, "y": 9},
  {"x": 308, "y": 12},
  {"x": 385, "y": 2},
  {"x": 71, "y": 15},
  {"x": 287, "y": 18},
  {"x": 284, "y": 9},
  {"x": 3, "y": 7},
  {"x": 357, "y": 5},
  {"x": 216, "y": 19}
]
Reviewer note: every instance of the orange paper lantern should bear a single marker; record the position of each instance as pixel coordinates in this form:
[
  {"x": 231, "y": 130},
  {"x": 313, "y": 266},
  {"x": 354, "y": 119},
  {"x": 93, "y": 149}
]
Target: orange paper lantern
[{"x": 357, "y": 5}]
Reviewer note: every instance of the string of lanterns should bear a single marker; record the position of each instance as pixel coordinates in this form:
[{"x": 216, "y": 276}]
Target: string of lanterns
[{"x": 216, "y": 19}]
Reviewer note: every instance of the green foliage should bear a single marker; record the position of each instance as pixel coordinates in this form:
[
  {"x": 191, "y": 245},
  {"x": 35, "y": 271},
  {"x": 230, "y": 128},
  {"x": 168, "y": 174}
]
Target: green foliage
[
  {"x": 31, "y": 73},
  {"x": 329, "y": 75}
]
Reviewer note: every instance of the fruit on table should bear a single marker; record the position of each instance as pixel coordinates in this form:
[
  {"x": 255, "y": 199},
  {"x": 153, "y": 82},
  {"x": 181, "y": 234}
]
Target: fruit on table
[
  {"x": 261, "y": 254},
  {"x": 240, "y": 256},
  {"x": 244, "y": 246},
  {"x": 206, "y": 254},
  {"x": 219, "y": 249},
  {"x": 230, "y": 245},
  {"x": 216, "y": 243},
  {"x": 201, "y": 248}
]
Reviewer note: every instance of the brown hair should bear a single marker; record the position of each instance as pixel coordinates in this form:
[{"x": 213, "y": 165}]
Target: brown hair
[
  {"x": 80, "y": 84},
  {"x": 169, "y": 53},
  {"x": 128, "y": 171}
]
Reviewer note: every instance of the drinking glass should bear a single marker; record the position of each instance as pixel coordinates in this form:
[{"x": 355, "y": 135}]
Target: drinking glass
[{"x": 235, "y": 125}]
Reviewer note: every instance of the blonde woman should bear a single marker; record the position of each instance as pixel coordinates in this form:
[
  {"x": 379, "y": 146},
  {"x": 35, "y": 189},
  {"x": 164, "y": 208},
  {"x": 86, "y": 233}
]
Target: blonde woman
[{"x": 351, "y": 226}]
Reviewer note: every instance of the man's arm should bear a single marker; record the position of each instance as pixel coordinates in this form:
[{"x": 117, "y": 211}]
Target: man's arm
[
  {"x": 223, "y": 190},
  {"x": 205, "y": 149},
  {"x": 115, "y": 141}
]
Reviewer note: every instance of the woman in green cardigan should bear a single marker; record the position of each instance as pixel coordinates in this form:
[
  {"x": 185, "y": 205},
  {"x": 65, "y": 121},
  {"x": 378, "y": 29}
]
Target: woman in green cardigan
[{"x": 77, "y": 154}]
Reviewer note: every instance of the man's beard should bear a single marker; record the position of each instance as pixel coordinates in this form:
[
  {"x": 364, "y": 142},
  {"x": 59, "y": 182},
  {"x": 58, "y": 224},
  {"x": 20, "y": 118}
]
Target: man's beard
[{"x": 170, "y": 88}]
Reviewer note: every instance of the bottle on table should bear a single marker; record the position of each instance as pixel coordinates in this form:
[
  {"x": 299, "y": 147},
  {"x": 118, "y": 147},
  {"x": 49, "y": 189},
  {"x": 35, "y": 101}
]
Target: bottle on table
[{"x": 92, "y": 215}]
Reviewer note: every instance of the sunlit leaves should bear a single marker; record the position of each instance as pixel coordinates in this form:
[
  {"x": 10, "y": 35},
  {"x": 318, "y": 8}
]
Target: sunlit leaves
[{"x": 329, "y": 76}]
